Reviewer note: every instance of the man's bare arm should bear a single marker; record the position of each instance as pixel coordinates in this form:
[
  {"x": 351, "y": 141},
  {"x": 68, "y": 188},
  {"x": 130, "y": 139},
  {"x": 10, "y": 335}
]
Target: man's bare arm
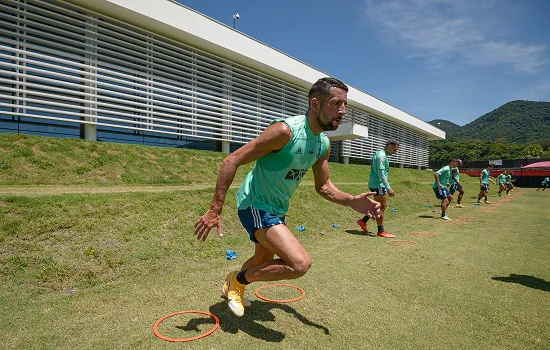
[
  {"x": 274, "y": 138},
  {"x": 324, "y": 186},
  {"x": 360, "y": 203}
]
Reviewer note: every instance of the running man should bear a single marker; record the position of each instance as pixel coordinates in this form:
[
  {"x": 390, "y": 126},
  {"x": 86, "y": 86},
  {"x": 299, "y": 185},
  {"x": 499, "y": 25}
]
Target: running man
[
  {"x": 378, "y": 183},
  {"x": 509, "y": 182},
  {"x": 484, "y": 178},
  {"x": 440, "y": 187},
  {"x": 545, "y": 183},
  {"x": 502, "y": 182},
  {"x": 455, "y": 183},
  {"x": 283, "y": 152}
]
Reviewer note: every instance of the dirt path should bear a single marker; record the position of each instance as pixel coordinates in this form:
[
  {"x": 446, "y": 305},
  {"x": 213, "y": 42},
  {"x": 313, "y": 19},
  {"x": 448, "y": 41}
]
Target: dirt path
[{"x": 53, "y": 190}]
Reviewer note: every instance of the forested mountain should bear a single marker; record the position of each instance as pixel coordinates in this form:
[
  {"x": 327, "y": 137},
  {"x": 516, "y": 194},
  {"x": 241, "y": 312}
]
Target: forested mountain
[
  {"x": 518, "y": 129},
  {"x": 514, "y": 122},
  {"x": 445, "y": 125}
]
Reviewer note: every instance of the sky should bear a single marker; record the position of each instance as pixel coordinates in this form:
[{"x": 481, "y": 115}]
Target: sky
[{"x": 434, "y": 59}]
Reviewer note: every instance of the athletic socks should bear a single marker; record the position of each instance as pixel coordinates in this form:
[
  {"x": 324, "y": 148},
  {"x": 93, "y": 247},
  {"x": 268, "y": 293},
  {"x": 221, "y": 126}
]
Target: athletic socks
[
  {"x": 443, "y": 214},
  {"x": 380, "y": 229},
  {"x": 365, "y": 219},
  {"x": 241, "y": 279}
]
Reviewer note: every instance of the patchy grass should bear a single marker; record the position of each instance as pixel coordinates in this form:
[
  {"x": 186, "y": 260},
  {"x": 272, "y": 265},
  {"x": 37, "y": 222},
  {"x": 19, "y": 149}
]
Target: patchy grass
[{"x": 96, "y": 271}]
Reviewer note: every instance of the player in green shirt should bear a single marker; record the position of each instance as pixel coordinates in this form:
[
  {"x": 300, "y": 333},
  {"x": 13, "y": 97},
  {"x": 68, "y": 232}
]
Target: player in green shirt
[
  {"x": 502, "y": 182},
  {"x": 378, "y": 183},
  {"x": 545, "y": 183},
  {"x": 484, "y": 179},
  {"x": 440, "y": 187},
  {"x": 456, "y": 185},
  {"x": 283, "y": 153},
  {"x": 509, "y": 182}
]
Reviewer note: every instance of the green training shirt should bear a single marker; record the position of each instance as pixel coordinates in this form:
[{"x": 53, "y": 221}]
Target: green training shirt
[
  {"x": 451, "y": 180},
  {"x": 379, "y": 170},
  {"x": 501, "y": 178},
  {"x": 485, "y": 176},
  {"x": 444, "y": 174},
  {"x": 275, "y": 176}
]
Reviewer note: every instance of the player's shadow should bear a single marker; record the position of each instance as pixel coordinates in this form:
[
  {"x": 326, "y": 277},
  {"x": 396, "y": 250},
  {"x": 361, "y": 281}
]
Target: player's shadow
[
  {"x": 525, "y": 280},
  {"x": 428, "y": 216},
  {"x": 361, "y": 233},
  {"x": 258, "y": 311}
]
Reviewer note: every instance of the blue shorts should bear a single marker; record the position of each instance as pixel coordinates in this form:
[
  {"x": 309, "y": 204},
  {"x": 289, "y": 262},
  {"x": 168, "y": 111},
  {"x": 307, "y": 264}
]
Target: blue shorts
[
  {"x": 380, "y": 190},
  {"x": 456, "y": 187},
  {"x": 441, "y": 193},
  {"x": 252, "y": 219},
  {"x": 484, "y": 187}
]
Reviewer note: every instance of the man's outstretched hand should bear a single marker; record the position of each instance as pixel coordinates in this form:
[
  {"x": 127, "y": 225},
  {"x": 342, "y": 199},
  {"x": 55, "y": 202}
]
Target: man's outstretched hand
[
  {"x": 364, "y": 205},
  {"x": 207, "y": 222}
]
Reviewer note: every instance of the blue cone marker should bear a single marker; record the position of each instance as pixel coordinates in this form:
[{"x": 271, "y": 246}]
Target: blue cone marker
[{"x": 230, "y": 255}]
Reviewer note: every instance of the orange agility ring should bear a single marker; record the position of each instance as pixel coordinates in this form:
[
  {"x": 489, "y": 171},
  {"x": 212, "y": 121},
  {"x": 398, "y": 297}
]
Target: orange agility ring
[
  {"x": 424, "y": 234},
  {"x": 157, "y": 333},
  {"x": 402, "y": 243},
  {"x": 257, "y": 292}
]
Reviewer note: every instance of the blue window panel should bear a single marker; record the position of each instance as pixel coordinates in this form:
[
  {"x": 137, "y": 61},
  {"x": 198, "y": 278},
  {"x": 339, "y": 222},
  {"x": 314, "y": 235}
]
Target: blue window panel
[{"x": 49, "y": 129}]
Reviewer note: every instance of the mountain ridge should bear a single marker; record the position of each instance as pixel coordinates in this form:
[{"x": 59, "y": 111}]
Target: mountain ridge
[{"x": 518, "y": 121}]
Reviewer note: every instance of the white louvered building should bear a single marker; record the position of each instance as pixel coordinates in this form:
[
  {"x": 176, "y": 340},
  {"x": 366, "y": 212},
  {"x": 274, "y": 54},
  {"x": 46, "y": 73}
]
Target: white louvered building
[{"x": 159, "y": 73}]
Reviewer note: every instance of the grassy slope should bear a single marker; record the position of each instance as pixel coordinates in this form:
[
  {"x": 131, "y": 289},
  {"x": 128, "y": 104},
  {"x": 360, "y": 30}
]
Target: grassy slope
[{"x": 96, "y": 271}]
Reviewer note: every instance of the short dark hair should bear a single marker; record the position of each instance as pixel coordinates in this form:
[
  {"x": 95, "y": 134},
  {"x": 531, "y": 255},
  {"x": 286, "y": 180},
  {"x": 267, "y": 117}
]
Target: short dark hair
[
  {"x": 322, "y": 87},
  {"x": 392, "y": 142}
]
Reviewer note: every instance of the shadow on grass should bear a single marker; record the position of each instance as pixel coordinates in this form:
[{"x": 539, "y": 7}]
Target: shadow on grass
[
  {"x": 258, "y": 311},
  {"x": 361, "y": 233},
  {"x": 525, "y": 280},
  {"x": 428, "y": 216}
]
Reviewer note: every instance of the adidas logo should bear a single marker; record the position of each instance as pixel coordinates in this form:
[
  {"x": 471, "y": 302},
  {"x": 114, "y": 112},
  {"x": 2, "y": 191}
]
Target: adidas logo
[{"x": 299, "y": 151}]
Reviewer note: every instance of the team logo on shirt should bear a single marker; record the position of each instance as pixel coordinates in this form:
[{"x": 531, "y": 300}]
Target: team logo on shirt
[
  {"x": 295, "y": 174},
  {"x": 299, "y": 151}
]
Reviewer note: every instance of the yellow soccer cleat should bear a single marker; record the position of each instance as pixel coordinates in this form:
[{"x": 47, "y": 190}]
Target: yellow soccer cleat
[
  {"x": 235, "y": 292},
  {"x": 459, "y": 206},
  {"x": 225, "y": 289}
]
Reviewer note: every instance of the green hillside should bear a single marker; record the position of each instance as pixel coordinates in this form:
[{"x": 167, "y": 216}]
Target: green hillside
[
  {"x": 445, "y": 125},
  {"x": 514, "y": 122},
  {"x": 518, "y": 129}
]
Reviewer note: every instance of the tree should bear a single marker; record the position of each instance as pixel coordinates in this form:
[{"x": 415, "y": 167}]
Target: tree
[{"x": 532, "y": 151}]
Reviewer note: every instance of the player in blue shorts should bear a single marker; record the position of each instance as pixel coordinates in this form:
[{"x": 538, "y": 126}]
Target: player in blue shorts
[
  {"x": 455, "y": 183},
  {"x": 378, "y": 183},
  {"x": 283, "y": 153},
  {"x": 484, "y": 179},
  {"x": 509, "y": 182},
  {"x": 501, "y": 179},
  {"x": 440, "y": 187},
  {"x": 545, "y": 183}
]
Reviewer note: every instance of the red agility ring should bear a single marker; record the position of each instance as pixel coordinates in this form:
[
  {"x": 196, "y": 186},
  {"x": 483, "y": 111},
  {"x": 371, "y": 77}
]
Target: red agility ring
[
  {"x": 280, "y": 285},
  {"x": 398, "y": 243},
  {"x": 156, "y": 331}
]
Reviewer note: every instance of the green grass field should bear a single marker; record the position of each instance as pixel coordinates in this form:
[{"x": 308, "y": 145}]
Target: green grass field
[{"x": 96, "y": 245}]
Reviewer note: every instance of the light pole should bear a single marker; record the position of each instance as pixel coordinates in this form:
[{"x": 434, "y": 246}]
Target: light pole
[{"x": 235, "y": 17}]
